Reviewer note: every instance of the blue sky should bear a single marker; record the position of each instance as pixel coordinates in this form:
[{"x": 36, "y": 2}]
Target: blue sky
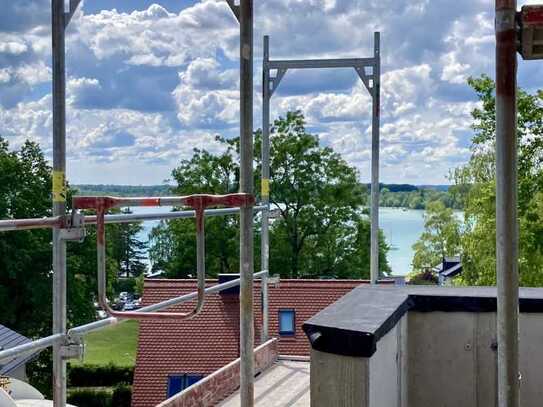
[{"x": 148, "y": 81}]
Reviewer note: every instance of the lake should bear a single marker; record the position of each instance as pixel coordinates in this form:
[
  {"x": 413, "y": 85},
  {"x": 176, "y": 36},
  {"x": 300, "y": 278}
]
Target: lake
[{"x": 402, "y": 228}]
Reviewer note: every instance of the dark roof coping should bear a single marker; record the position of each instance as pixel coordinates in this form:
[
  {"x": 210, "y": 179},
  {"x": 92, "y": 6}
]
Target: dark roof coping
[{"x": 353, "y": 325}]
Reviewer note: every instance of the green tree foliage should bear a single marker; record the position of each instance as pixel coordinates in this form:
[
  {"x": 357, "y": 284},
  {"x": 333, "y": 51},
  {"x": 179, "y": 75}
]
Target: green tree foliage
[
  {"x": 173, "y": 244},
  {"x": 25, "y": 256},
  {"x": 475, "y": 184},
  {"x": 441, "y": 237},
  {"x": 320, "y": 230},
  {"x": 128, "y": 250}
]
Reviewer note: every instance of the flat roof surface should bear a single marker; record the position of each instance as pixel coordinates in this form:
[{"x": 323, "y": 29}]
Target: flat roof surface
[{"x": 284, "y": 384}]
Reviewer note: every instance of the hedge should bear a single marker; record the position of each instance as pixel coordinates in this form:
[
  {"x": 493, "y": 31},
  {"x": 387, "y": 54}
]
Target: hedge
[
  {"x": 120, "y": 397},
  {"x": 90, "y": 398},
  {"x": 99, "y": 376}
]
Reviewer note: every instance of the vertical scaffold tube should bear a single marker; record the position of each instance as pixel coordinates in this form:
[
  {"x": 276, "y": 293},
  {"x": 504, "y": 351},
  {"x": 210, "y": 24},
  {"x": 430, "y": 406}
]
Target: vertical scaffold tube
[
  {"x": 246, "y": 215},
  {"x": 506, "y": 205},
  {"x": 59, "y": 197},
  {"x": 265, "y": 190},
  {"x": 374, "y": 249}
]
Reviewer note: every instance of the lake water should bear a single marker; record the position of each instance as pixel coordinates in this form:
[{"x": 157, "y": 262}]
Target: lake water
[{"x": 402, "y": 228}]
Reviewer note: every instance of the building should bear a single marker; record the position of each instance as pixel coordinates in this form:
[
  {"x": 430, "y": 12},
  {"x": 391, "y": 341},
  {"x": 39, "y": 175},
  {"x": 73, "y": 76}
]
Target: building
[
  {"x": 16, "y": 367},
  {"x": 172, "y": 355},
  {"x": 448, "y": 269}
]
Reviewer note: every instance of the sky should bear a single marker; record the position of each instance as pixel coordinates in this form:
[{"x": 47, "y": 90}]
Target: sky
[{"x": 149, "y": 81}]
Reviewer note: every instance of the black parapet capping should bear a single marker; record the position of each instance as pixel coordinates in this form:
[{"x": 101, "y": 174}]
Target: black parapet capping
[
  {"x": 354, "y": 324},
  {"x": 224, "y": 278}
]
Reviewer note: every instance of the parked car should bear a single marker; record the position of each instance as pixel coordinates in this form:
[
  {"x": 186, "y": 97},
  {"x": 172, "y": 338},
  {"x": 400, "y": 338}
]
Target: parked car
[
  {"x": 130, "y": 306},
  {"x": 118, "y": 306}
]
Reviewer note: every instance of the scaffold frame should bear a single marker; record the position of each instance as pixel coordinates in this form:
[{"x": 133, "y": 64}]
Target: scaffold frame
[{"x": 372, "y": 82}]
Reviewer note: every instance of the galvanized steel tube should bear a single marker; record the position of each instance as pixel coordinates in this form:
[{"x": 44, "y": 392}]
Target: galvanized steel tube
[
  {"x": 97, "y": 325},
  {"x": 265, "y": 189},
  {"x": 141, "y": 217},
  {"x": 7, "y": 225},
  {"x": 59, "y": 197},
  {"x": 31, "y": 347},
  {"x": 506, "y": 205},
  {"x": 246, "y": 215},
  {"x": 374, "y": 245}
]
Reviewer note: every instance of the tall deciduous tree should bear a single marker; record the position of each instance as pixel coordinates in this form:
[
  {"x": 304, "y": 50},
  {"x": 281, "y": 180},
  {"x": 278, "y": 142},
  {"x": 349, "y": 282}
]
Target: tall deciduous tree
[
  {"x": 475, "y": 183},
  {"x": 441, "y": 237},
  {"x": 25, "y": 256},
  {"x": 320, "y": 231}
]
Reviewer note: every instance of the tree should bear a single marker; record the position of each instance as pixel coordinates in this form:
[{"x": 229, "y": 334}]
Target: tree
[
  {"x": 173, "y": 244},
  {"x": 441, "y": 237},
  {"x": 321, "y": 230},
  {"x": 25, "y": 256},
  {"x": 128, "y": 250},
  {"x": 475, "y": 184}
]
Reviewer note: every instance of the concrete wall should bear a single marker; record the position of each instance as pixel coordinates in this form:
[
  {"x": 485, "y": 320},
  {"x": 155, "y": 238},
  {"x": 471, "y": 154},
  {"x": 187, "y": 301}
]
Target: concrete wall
[
  {"x": 456, "y": 352},
  {"x": 338, "y": 380},
  {"x": 384, "y": 374},
  {"x": 443, "y": 352},
  {"x": 222, "y": 383},
  {"x": 430, "y": 359},
  {"x": 350, "y": 381}
]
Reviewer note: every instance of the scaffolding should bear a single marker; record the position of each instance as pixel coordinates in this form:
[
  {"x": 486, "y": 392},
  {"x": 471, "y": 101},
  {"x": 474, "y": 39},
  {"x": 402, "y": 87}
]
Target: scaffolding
[
  {"x": 67, "y": 344},
  {"x": 369, "y": 71},
  {"x": 70, "y": 227}
]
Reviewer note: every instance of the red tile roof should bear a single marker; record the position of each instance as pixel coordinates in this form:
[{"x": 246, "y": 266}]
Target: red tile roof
[{"x": 211, "y": 340}]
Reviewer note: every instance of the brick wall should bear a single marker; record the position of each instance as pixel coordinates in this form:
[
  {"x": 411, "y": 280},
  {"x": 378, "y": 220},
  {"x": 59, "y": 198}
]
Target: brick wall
[{"x": 222, "y": 383}]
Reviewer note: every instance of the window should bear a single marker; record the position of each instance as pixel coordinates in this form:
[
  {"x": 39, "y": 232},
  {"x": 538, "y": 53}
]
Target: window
[
  {"x": 287, "y": 322},
  {"x": 178, "y": 383}
]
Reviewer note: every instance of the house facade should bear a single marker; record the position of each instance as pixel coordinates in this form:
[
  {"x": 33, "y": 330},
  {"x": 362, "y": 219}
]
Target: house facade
[{"x": 172, "y": 355}]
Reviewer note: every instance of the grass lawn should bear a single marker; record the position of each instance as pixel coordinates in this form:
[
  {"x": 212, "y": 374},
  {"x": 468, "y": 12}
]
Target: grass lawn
[{"x": 115, "y": 344}]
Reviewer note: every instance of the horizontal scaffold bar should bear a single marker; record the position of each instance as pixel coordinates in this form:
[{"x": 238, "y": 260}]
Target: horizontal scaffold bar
[
  {"x": 321, "y": 63},
  {"x": 97, "y": 325},
  {"x": 41, "y": 223}
]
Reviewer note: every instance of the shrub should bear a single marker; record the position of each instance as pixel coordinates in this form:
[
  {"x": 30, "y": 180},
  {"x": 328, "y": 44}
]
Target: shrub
[
  {"x": 90, "y": 398},
  {"x": 122, "y": 396},
  {"x": 99, "y": 376}
]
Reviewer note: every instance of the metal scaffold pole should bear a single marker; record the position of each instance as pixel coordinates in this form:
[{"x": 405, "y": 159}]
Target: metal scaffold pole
[
  {"x": 59, "y": 197},
  {"x": 506, "y": 205},
  {"x": 246, "y": 214},
  {"x": 372, "y": 82},
  {"x": 376, "y": 95},
  {"x": 265, "y": 189}
]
